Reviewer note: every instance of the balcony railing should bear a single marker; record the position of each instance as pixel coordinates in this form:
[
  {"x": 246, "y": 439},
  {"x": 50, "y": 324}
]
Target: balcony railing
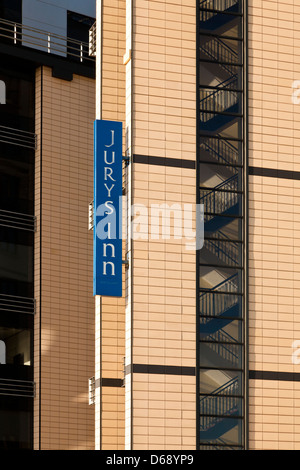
[
  {"x": 16, "y": 304},
  {"x": 17, "y": 388},
  {"x": 8, "y": 135},
  {"x": 51, "y": 43},
  {"x": 17, "y": 220}
]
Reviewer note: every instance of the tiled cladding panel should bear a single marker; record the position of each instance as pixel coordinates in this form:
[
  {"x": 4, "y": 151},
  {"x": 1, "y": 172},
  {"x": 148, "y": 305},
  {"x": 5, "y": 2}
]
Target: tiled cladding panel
[
  {"x": 37, "y": 256},
  {"x": 274, "y": 211},
  {"x": 162, "y": 93},
  {"x": 64, "y": 187},
  {"x": 110, "y": 312},
  {"x": 164, "y": 90}
]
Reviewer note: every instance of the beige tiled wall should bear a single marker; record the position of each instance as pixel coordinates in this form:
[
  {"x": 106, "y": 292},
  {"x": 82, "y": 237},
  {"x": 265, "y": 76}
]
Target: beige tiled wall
[
  {"x": 164, "y": 93},
  {"x": 63, "y": 263},
  {"x": 160, "y": 320},
  {"x": 274, "y": 210},
  {"x": 37, "y": 256},
  {"x": 157, "y": 51},
  {"x": 110, "y": 312}
]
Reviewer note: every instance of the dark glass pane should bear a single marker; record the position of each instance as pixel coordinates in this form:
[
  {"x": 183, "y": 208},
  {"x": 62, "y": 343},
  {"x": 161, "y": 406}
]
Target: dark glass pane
[
  {"x": 16, "y": 339},
  {"x": 224, "y": 75},
  {"x": 78, "y": 29},
  {"x": 16, "y": 178},
  {"x": 228, "y": 126},
  {"x": 211, "y": 175},
  {"x": 220, "y": 405},
  {"x": 230, "y": 227},
  {"x": 16, "y": 422},
  {"x": 18, "y": 112},
  {"x": 220, "y": 355},
  {"x": 11, "y": 10},
  {"x": 10, "y": 13},
  {"x": 221, "y": 201},
  {"x": 224, "y": 279},
  {"x": 214, "y": 75},
  {"x": 220, "y": 80},
  {"x": 214, "y": 223},
  {"x": 222, "y": 50},
  {"x": 222, "y": 151},
  {"x": 209, "y": 25},
  {"x": 15, "y": 346},
  {"x": 221, "y": 253},
  {"x": 16, "y": 262},
  {"x": 220, "y": 305},
  {"x": 219, "y": 101},
  {"x": 229, "y": 6},
  {"x": 210, "y": 326},
  {"x": 228, "y": 429},
  {"x": 228, "y": 382}
]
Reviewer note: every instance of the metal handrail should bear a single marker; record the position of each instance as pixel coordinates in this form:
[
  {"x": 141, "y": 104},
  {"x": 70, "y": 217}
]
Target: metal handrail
[
  {"x": 215, "y": 407},
  {"x": 50, "y": 42},
  {"x": 218, "y": 101},
  {"x": 228, "y": 255},
  {"x": 219, "y": 51},
  {"x": 224, "y": 346},
  {"x": 213, "y": 305},
  {"x": 223, "y": 150},
  {"x": 18, "y": 137},
  {"x": 222, "y": 197},
  {"x": 221, "y": 5}
]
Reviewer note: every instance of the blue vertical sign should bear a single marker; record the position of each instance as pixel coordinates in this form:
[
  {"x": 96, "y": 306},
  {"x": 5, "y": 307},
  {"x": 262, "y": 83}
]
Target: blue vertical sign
[{"x": 108, "y": 208}]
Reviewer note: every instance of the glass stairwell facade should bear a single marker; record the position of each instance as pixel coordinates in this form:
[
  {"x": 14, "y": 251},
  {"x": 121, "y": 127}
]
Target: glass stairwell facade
[{"x": 220, "y": 190}]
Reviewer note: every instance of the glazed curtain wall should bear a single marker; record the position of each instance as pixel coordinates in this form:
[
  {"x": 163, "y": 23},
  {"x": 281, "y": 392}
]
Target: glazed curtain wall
[{"x": 221, "y": 191}]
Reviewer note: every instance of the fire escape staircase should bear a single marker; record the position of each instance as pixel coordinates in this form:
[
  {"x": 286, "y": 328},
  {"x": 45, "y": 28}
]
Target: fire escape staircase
[{"x": 220, "y": 304}]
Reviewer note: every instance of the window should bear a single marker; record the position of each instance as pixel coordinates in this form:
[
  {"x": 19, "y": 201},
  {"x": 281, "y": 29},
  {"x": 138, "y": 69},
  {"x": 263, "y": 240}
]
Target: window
[
  {"x": 11, "y": 10},
  {"x": 16, "y": 423},
  {"x": 16, "y": 262},
  {"x": 78, "y": 30}
]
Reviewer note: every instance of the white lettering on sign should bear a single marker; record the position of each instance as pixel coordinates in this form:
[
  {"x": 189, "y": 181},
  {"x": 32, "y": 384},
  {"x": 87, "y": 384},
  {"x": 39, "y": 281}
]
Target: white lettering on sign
[
  {"x": 112, "y": 139},
  {"x": 105, "y": 263},
  {"x": 108, "y": 174}
]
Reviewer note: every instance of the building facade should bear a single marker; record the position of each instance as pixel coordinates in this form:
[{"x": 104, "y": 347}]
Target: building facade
[
  {"x": 46, "y": 172},
  {"x": 180, "y": 327},
  {"x": 202, "y": 350}
]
